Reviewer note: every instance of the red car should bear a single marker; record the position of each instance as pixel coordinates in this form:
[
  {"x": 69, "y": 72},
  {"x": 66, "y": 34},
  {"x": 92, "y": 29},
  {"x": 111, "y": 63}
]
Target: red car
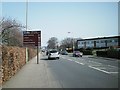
[{"x": 77, "y": 54}]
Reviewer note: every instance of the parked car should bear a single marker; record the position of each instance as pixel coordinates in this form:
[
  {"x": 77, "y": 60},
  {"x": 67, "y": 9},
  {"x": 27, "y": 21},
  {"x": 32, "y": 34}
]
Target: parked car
[
  {"x": 53, "y": 54},
  {"x": 77, "y": 54},
  {"x": 64, "y": 52}
]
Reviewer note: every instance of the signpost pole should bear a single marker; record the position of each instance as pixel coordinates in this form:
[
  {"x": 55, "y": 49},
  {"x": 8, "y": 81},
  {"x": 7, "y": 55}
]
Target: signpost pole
[
  {"x": 37, "y": 54},
  {"x": 36, "y": 43}
]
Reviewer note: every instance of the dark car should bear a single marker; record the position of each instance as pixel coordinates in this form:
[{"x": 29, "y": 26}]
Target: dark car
[
  {"x": 64, "y": 52},
  {"x": 77, "y": 54}
]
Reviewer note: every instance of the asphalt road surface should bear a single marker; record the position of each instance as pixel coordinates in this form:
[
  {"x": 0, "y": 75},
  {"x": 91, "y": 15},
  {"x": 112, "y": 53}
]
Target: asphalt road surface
[{"x": 84, "y": 72}]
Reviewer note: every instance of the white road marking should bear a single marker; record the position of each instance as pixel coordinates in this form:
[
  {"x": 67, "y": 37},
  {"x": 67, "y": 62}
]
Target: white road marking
[
  {"x": 102, "y": 70},
  {"x": 79, "y": 63},
  {"x": 93, "y": 66},
  {"x": 113, "y": 72},
  {"x": 69, "y": 59},
  {"x": 98, "y": 69},
  {"x": 63, "y": 57},
  {"x": 75, "y": 61},
  {"x": 112, "y": 66},
  {"x": 95, "y": 62}
]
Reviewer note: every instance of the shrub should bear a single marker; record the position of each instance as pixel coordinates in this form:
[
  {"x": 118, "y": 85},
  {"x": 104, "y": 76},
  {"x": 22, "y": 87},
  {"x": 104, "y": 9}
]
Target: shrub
[
  {"x": 87, "y": 52},
  {"x": 109, "y": 54},
  {"x": 101, "y": 53}
]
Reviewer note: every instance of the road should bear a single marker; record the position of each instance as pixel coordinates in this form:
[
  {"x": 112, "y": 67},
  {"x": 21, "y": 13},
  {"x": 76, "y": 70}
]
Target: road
[
  {"x": 67, "y": 72},
  {"x": 84, "y": 72}
]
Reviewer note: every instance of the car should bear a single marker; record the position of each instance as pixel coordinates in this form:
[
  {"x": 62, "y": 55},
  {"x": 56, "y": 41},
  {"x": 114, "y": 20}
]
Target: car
[
  {"x": 53, "y": 54},
  {"x": 64, "y": 53},
  {"x": 77, "y": 54}
]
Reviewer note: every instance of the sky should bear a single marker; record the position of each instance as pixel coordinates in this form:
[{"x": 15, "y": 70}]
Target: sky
[{"x": 56, "y": 19}]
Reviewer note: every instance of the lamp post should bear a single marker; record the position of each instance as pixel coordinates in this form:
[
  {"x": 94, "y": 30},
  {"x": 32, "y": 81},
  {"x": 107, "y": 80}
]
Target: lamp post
[
  {"x": 72, "y": 42},
  {"x": 26, "y": 28}
]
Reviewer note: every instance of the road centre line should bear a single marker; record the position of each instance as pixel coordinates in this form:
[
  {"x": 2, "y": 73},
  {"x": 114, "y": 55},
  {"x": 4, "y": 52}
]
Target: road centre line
[{"x": 102, "y": 70}]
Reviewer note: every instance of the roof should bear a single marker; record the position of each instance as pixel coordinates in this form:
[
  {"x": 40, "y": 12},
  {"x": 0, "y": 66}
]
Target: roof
[{"x": 99, "y": 38}]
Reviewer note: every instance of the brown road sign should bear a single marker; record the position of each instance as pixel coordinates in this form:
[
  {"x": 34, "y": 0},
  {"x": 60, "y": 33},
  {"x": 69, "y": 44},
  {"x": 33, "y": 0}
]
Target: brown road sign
[{"x": 32, "y": 38}]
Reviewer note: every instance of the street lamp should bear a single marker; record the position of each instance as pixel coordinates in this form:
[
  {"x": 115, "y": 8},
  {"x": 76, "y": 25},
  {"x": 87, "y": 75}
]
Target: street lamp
[{"x": 72, "y": 42}]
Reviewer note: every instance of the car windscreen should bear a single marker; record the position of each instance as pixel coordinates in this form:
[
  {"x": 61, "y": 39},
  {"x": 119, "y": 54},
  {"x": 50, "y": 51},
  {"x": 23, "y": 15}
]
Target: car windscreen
[
  {"x": 53, "y": 51},
  {"x": 77, "y": 51}
]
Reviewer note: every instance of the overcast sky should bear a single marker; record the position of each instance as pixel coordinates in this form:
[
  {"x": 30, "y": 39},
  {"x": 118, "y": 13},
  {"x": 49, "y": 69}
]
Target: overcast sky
[{"x": 56, "y": 19}]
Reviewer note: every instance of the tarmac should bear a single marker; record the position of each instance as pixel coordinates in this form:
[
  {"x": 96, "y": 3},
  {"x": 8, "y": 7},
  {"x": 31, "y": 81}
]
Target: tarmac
[{"x": 33, "y": 75}]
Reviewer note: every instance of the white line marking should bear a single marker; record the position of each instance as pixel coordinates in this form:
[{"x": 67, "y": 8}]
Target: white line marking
[
  {"x": 113, "y": 72},
  {"x": 63, "y": 57},
  {"x": 95, "y": 62},
  {"x": 112, "y": 66},
  {"x": 102, "y": 70},
  {"x": 69, "y": 59},
  {"x": 79, "y": 62}
]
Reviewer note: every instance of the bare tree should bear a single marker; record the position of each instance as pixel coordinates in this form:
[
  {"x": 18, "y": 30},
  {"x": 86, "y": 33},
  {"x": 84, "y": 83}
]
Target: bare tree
[
  {"x": 52, "y": 43},
  {"x": 66, "y": 43},
  {"x": 11, "y": 32}
]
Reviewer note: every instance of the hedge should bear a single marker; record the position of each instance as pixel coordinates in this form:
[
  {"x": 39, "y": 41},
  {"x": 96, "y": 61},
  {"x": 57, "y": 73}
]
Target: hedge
[
  {"x": 13, "y": 59},
  {"x": 87, "y": 52},
  {"x": 109, "y": 54}
]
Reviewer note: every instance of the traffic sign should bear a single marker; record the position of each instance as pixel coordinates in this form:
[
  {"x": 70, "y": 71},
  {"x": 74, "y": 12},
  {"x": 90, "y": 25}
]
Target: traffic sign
[{"x": 32, "y": 38}]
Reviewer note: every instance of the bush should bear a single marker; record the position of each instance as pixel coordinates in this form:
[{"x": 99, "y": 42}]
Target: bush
[
  {"x": 101, "y": 53},
  {"x": 109, "y": 54},
  {"x": 87, "y": 52},
  {"x": 113, "y": 54},
  {"x": 13, "y": 59}
]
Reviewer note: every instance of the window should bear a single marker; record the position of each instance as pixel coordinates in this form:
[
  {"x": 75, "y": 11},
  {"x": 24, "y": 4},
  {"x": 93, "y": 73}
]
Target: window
[
  {"x": 97, "y": 41},
  {"x": 82, "y": 42},
  {"x": 116, "y": 40},
  {"x": 109, "y": 41},
  {"x": 87, "y": 42},
  {"x": 92, "y": 41},
  {"x": 102, "y": 41}
]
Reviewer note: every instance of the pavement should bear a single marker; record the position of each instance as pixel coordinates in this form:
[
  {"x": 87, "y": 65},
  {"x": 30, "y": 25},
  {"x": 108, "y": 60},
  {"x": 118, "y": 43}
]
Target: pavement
[{"x": 33, "y": 75}]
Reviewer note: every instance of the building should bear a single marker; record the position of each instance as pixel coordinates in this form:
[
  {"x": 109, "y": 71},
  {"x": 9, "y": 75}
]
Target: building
[{"x": 103, "y": 42}]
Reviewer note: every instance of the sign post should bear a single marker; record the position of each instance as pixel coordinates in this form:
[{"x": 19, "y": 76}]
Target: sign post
[
  {"x": 36, "y": 44},
  {"x": 32, "y": 38}
]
